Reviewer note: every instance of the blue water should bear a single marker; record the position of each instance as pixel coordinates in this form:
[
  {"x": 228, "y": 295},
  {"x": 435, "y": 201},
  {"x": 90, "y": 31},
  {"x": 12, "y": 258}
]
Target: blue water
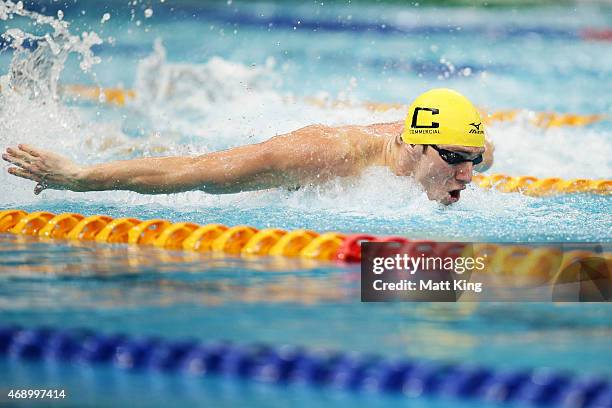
[
  {"x": 139, "y": 291},
  {"x": 533, "y": 59},
  {"x": 591, "y": 218}
]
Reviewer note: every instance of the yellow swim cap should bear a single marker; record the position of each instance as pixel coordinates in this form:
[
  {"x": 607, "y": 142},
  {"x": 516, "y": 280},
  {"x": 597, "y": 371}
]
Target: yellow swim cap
[{"x": 443, "y": 116}]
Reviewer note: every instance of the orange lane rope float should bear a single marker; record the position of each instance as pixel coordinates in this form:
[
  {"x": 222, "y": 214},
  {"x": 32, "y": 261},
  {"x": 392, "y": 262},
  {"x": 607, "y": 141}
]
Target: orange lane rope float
[
  {"x": 533, "y": 186},
  {"x": 119, "y": 97},
  {"x": 113, "y": 96},
  {"x": 544, "y": 119},
  {"x": 520, "y": 262}
]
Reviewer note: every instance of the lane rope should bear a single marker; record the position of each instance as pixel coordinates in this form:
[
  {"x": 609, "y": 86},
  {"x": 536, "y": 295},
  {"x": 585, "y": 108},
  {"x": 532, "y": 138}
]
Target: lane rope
[
  {"x": 241, "y": 240},
  {"x": 539, "y": 264},
  {"x": 120, "y": 97},
  {"x": 286, "y": 365},
  {"x": 539, "y": 187}
]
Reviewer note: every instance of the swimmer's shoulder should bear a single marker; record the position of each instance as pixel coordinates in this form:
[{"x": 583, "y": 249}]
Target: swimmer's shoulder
[
  {"x": 365, "y": 138},
  {"x": 386, "y": 129}
]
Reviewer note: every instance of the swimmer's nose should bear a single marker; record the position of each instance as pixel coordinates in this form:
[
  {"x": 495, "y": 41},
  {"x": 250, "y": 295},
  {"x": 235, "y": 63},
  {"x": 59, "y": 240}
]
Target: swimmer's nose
[{"x": 464, "y": 172}]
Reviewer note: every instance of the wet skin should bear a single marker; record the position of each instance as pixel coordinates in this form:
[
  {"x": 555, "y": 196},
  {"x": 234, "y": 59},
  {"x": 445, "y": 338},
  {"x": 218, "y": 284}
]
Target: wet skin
[{"x": 309, "y": 155}]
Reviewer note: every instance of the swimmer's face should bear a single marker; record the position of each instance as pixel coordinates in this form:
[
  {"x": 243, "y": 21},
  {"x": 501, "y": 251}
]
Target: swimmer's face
[{"x": 443, "y": 182}]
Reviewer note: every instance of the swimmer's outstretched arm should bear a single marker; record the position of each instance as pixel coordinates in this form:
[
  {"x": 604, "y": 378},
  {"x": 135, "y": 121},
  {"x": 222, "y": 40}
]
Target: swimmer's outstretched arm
[{"x": 286, "y": 160}]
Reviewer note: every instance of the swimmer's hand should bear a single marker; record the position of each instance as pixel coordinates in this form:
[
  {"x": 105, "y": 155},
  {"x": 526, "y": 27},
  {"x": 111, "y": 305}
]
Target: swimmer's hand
[{"x": 49, "y": 170}]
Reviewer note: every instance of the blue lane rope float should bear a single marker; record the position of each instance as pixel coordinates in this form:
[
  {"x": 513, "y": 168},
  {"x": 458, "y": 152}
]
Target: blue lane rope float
[{"x": 287, "y": 365}]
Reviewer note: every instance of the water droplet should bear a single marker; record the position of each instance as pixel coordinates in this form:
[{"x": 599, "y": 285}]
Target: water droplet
[
  {"x": 148, "y": 13},
  {"x": 105, "y": 18}
]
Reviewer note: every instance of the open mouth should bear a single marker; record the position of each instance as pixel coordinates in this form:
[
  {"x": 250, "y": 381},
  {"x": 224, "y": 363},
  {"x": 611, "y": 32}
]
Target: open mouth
[{"x": 454, "y": 195}]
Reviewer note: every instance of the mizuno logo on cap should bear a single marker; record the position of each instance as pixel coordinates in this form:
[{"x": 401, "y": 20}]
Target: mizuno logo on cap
[{"x": 476, "y": 128}]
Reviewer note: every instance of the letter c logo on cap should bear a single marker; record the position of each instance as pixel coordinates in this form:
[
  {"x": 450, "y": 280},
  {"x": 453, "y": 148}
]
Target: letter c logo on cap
[{"x": 433, "y": 125}]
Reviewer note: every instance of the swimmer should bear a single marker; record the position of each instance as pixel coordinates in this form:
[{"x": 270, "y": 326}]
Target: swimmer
[{"x": 440, "y": 145}]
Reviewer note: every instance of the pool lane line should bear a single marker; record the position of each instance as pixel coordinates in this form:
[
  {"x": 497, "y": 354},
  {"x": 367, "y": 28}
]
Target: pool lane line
[
  {"x": 120, "y": 97},
  {"x": 541, "y": 187},
  {"x": 547, "y": 264},
  {"x": 286, "y": 365}
]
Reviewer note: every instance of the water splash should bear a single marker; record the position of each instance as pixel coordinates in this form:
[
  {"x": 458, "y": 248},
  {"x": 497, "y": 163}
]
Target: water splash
[
  {"x": 30, "y": 106},
  {"x": 38, "y": 60},
  {"x": 30, "y": 110},
  {"x": 180, "y": 97}
]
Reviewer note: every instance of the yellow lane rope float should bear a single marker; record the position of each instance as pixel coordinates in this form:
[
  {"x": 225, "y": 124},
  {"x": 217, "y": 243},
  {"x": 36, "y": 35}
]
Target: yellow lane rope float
[
  {"x": 542, "y": 264},
  {"x": 119, "y": 97},
  {"x": 113, "y": 96},
  {"x": 238, "y": 240},
  {"x": 524, "y": 264},
  {"x": 533, "y": 186},
  {"x": 544, "y": 119}
]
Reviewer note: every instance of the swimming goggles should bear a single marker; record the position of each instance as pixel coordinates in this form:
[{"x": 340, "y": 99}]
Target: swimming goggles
[{"x": 454, "y": 157}]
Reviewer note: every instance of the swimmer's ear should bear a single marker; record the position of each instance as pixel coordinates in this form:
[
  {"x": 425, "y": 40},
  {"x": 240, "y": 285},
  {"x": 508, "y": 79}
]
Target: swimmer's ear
[{"x": 399, "y": 141}]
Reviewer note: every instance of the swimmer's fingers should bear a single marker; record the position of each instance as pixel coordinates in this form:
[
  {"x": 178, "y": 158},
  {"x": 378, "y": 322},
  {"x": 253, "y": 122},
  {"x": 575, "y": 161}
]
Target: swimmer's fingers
[
  {"x": 17, "y": 161},
  {"x": 30, "y": 150},
  {"x": 24, "y": 174},
  {"x": 20, "y": 154}
]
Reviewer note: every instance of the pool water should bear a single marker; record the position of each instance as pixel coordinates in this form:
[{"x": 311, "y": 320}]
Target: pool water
[
  {"x": 217, "y": 76},
  {"x": 205, "y": 83},
  {"x": 149, "y": 292}
]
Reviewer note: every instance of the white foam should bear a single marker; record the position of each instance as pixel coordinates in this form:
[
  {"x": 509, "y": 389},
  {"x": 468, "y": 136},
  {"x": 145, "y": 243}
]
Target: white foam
[{"x": 566, "y": 152}]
